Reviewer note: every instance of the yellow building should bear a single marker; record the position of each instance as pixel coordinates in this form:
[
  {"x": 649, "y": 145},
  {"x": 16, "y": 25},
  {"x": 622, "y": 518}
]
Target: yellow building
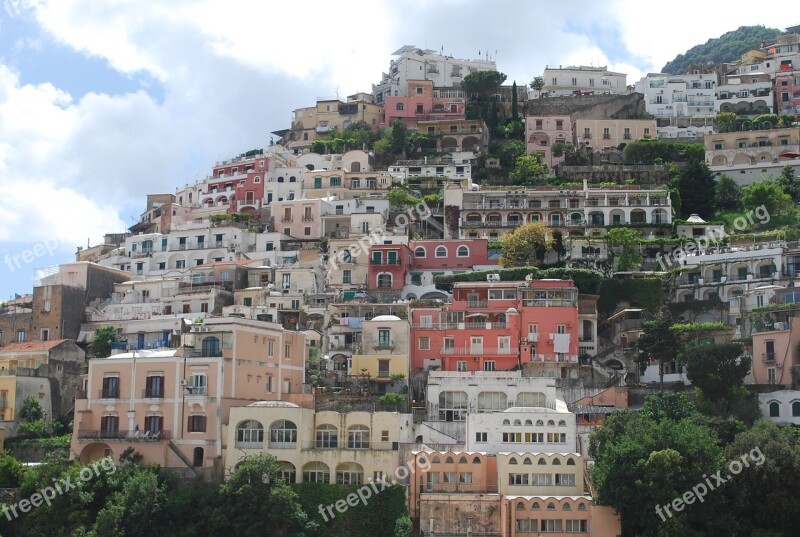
[
  {"x": 383, "y": 351},
  {"x": 610, "y": 133}
]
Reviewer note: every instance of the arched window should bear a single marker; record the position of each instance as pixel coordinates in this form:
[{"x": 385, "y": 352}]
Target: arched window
[
  {"x": 449, "y": 460},
  {"x": 551, "y": 506},
  {"x": 562, "y": 423},
  {"x": 566, "y": 507},
  {"x": 358, "y": 437},
  {"x": 517, "y": 423},
  {"x": 796, "y": 409},
  {"x": 463, "y": 251},
  {"x": 506, "y": 422},
  {"x": 512, "y": 460},
  {"x": 476, "y": 460},
  {"x": 520, "y": 505},
  {"x": 528, "y": 423},
  {"x": 287, "y": 472},
  {"x": 250, "y": 434},
  {"x": 280, "y": 179},
  {"x": 441, "y": 251},
  {"x": 527, "y": 461},
  {"x": 542, "y": 462},
  {"x": 539, "y": 423},
  {"x": 581, "y": 506},
  {"x": 423, "y": 460},
  {"x": 211, "y": 347},
  {"x": 292, "y": 179},
  {"x": 316, "y": 472},
  {"x": 570, "y": 462},
  {"x": 556, "y": 462},
  {"x": 536, "y": 506},
  {"x": 774, "y": 409},
  {"x": 551, "y": 423},
  {"x": 419, "y": 251},
  {"x": 283, "y": 434},
  {"x": 327, "y": 436},
  {"x": 349, "y": 473},
  {"x": 462, "y": 460},
  {"x": 436, "y": 460},
  {"x": 384, "y": 280}
]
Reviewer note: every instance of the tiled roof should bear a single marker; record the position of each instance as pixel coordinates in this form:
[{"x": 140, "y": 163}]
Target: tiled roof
[{"x": 32, "y": 346}]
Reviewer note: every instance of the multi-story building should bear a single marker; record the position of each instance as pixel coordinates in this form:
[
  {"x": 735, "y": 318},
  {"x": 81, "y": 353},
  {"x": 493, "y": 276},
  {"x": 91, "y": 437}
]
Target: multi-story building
[
  {"x": 16, "y": 320},
  {"x": 315, "y": 122},
  {"x": 782, "y": 407},
  {"x": 749, "y": 156},
  {"x": 443, "y": 257},
  {"x": 772, "y": 58},
  {"x": 490, "y": 213},
  {"x": 749, "y": 94},
  {"x": 423, "y": 102},
  {"x": 456, "y": 170},
  {"x": 776, "y": 337},
  {"x": 583, "y": 80},
  {"x": 787, "y": 92},
  {"x": 541, "y": 132},
  {"x": 679, "y": 95},
  {"x": 389, "y": 264},
  {"x": 319, "y": 447},
  {"x": 383, "y": 352},
  {"x": 500, "y": 326},
  {"x": 457, "y": 134},
  {"x": 172, "y": 406},
  {"x": 610, "y": 133},
  {"x": 412, "y": 63},
  {"x": 50, "y": 371}
]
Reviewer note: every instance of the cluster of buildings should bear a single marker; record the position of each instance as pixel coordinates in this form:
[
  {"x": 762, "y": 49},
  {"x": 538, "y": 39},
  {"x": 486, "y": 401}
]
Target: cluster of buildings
[{"x": 273, "y": 305}]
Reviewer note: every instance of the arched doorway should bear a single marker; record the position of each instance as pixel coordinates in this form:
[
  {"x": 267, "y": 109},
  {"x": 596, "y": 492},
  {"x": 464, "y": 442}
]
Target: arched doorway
[{"x": 197, "y": 458}]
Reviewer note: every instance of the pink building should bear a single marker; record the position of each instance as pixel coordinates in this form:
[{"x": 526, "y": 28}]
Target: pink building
[
  {"x": 388, "y": 267},
  {"x": 238, "y": 184},
  {"x": 541, "y": 132},
  {"x": 787, "y": 91},
  {"x": 172, "y": 406},
  {"x": 450, "y": 254},
  {"x": 504, "y": 495},
  {"x": 776, "y": 349},
  {"x": 424, "y": 102},
  {"x": 497, "y": 326}
]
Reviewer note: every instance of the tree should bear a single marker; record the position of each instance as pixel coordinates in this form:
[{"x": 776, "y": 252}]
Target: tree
[
  {"x": 695, "y": 182},
  {"x": 514, "y": 103},
  {"x": 10, "y": 471},
  {"x": 31, "y": 410},
  {"x": 399, "y": 138},
  {"x": 717, "y": 371},
  {"x": 726, "y": 121},
  {"x": 657, "y": 342},
  {"x": 100, "y": 347},
  {"x": 558, "y": 244},
  {"x": 526, "y": 245},
  {"x": 391, "y": 400},
  {"x": 484, "y": 84},
  {"x": 645, "y": 459},
  {"x": 537, "y": 84},
  {"x": 403, "y": 527},
  {"x": 560, "y": 148},
  {"x": 789, "y": 183},
  {"x": 510, "y": 151},
  {"x": 727, "y": 194},
  {"x": 768, "y": 194},
  {"x": 527, "y": 168},
  {"x": 626, "y": 240}
]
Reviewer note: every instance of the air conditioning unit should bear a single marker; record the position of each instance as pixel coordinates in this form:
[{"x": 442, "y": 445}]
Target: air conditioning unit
[
  {"x": 779, "y": 365},
  {"x": 183, "y": 382},
  {"x": 492, "y": 277}
]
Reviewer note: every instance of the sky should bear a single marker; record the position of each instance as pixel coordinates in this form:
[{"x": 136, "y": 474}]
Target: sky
[{"x": 104, "y": 102}]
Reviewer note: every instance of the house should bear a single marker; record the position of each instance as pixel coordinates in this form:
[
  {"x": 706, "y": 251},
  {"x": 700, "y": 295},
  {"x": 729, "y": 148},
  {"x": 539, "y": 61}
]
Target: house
[
  {"x": 611, "y": 133},
  {"x": 582, "y": 80},
  {"x": 541, "y": 132},
  {"x": 752, "y": 155}
]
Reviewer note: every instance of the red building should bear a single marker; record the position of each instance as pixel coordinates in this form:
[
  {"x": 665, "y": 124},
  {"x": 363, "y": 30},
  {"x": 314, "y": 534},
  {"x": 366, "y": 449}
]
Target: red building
[
  {"x": 787, "y": 90},
  {"x": 495, "y": 326},
  {"x": 424, "y": 103},
  {"x": 237, "y": 184},
  {"x": 388, "y": 267}
]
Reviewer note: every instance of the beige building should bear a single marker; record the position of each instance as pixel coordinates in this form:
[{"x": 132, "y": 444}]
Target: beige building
[
  {"x": 732, "y": 152},
  {"x": 319, "y": 447},
  {"x": 383, "y": 351},
  {"x": 610, "y": 133},
  {"x": 316, "y": 122},
  {"x": 172, "y": 405}
]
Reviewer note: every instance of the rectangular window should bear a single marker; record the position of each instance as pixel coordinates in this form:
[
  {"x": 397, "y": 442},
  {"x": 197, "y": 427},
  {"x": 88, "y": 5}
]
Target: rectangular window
[
  {"x": 461, "y": 366},
  {"x": 154, "y": 386},
  {"x": 565, "y": 480},
  {"x": 517, "y": 479},
  {"x": 198, "y": 384},
  {"x": 542, "y": 480},
  {"x": 424, "y": 343},
  {"x": 347, "y": 276},
  {"x": 490, "y": 365},
  {"x": 110, "y": 388},
  {"x": 481, "y": 438},
  {"x": 287, "y": 351},
  {"x": 197, "y": 424}
]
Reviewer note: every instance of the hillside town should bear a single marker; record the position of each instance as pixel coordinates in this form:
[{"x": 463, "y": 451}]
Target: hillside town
[{"x": 450, "y": 272}]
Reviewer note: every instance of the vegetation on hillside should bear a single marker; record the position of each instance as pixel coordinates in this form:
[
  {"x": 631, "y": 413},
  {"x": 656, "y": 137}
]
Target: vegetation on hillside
[{"x": 724, "y": 49}]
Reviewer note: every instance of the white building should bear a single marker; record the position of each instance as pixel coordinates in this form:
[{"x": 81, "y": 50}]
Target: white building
[
  {"x": 679, "y": 95},
  {"x": 782, "y": 407},
  {"x": 584, "y": 79},
  {"x": 413, "y": 63},
  {"x": 529, "y": 429}
]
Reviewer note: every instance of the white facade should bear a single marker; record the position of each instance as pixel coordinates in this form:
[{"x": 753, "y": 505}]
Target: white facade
[
  {"x": 746, "y": 94},
  {"x": 413, "y": 63},
  {"x": 679, "y": 95},
  {"x": 568, "y": 80},
  {"x": 782, "y": 407},
  {"x": 456, "y": 169},
  {"x": 530, "y": 429}
]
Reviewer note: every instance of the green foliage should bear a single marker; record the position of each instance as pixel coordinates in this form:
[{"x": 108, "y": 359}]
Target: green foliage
[
  {"x": 695, "y": 328},
  {"x": 525, "y": 245},
  {"x": 560, "y": 148},
  {"x": 726, "y": 121},
  {"x": 514, "y": 103},
  {"x": 100, "y": 347},
  {"x": 724, "y": 49},
  {"x": 10, "y": 471},
  {"x": 789, "y": 183},
  {"x": 31, "y": 410},
  {"x": 625, "y": 240},
  {"x": 391, "y": 400},
  {"x": 357, "y": 135},
  {"x": 587, "y": 281},
  {"x": 537, "y": 84},
  {"x": 643, "y": 293},
  {"x": 510, "y": 151},
  {"x": 34, "y": 428},
  {"x": 527, "y": 169},
  {"x": 727, "y": 194},
  {"x": 484, "y": 84},
  {"x": 695, "y": 182},
  {"x": 652, "y": 151},
  {"x": 402, "y": 527},
  {"x": 717, "y": 370},
  {"x": 767, "y": 193}
]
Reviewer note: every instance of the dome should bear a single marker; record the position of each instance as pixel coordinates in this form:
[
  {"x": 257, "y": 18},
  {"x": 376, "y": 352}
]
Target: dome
[
  {"x": 695, "y": 219},
  {"x": 386, "y": 318}
]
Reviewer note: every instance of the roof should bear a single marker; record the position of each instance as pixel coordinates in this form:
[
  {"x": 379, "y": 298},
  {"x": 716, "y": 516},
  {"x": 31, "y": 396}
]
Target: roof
[
  {"x": 219, "y": 263},
  {"x": 273, "y": 404},
  {"x": 386, "y": 318},
  {"x": 30, "y": 346}
]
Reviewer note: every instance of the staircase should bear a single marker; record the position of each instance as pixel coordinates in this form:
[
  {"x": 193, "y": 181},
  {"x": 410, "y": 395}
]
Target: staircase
[{"x": 182, "y": 457}]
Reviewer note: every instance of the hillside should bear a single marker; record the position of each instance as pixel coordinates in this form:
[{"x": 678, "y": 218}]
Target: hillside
[{"x": 723, "y": 49}]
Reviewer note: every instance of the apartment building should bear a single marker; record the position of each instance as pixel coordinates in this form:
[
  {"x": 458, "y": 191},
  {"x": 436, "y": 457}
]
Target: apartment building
[
  {"x": 443, "y": 257},
  {"x": 172, "y": 406},
  {"x": 610, "y": 133},
  {"x": 541, "y": 132},
  {"x": 749, "y": 156},
  {"x": 413, "y": 63},
  {"x": 679, "y": 95},
  {"x": 749, "y": 94},
  {"x": 456, "y": 134},
  {"x": 787, "y": 91},
  {"x": 423, "y": 103},
  {"x": 583, "y": 80},
  {"x": 329, "y": 114}
]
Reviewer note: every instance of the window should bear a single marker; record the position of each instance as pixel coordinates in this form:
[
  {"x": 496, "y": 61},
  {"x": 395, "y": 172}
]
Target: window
[
  {"x": 349, "y": 474},
  {"x": 384, "y": 338},
  {"x": 424, "y": 343},
  {"x": 796, "y": 409},
  {"x": 551, "y": 526},
  {"x": 576, "y": 526},
  {"x": 481, "y": 438},
  {"x": 347, "y": 276},
  {"x": 109, "y": 424},
  {"x": 492, "y": 401},
  {"x": 419, "y": 251},
  {"x": 316, "y": 472},
  {"x": 327, "y": 437},
  {"x": 452, "y": 406},
  {"x": 283, "y": 434},
  {"x": 490, "y": 365},
  {"x": 463, "y": 251},
  {"x": 541, "y": 479},
  {"x": 565, "y": 480},
  {"x": 441, "y": 251},
  {"x": 775, "y": 409},
  {"x": 153, "y": 425},
  {"x": 197, "y": 424},
  {"x": 400, "y": 106},
  {"x": 154, "y": 386},
  {"x": 517, "y": 479},
  {"x": 250, "y": 434},
  {"x": 384, "y": 281},
  {"x": 358, "y": 437},
  {"x": 110, "y": 388},
  {"x": 461, "y": 366}
]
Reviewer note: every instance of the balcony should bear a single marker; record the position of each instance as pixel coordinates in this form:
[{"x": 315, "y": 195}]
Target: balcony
[
  {"x": 383, "y": 346},
  {"x": 477, "y": 303},
  {"x": 554, "y": 359},
  {"x": 150, "y": 393},
  {"x": 767, "y": 357},
  {"x": 136, "y": 436},
  {"x": 342, "y": 443},
  {"x": 108, "y": 394},
  {"x": 479, "y": 351},
  {"x": 464, "y": 488},
  {"x": 196, "y": 390},
  {"x": 384, "y": 262}
]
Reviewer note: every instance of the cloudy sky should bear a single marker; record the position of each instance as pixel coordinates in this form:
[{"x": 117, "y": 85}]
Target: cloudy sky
[{"x": 103, "y": 102}]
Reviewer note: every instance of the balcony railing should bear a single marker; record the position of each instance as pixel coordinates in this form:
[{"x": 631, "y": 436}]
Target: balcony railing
[
  {"x": 477, "y": 303},
  {"x": 108, "y": 394},
  {"x": 480, "y": 351},
  {"x": 554, "y": 359},
  {"x": 144, "y": 436},
  {"x": 342, "y": 443},
  {"x": 768, "y": 357},
  {"x": 383, "y": 346},
  {"x": 460, "y": 326},
  {"x": 384, "y": 262},
  {"x": 149, "y": 393},
  {"x": 466, "y": 488}
]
